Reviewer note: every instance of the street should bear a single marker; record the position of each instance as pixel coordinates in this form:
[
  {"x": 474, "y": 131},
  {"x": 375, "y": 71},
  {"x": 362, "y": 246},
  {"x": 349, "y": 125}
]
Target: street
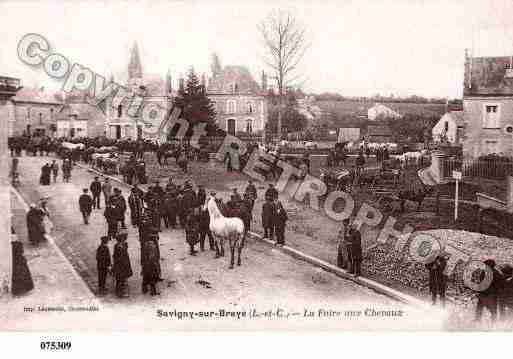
[{"x": 267, "y": 280}]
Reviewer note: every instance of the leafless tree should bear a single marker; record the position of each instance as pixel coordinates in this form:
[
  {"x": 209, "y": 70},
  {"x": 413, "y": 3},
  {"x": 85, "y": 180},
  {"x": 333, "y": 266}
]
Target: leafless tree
[{"x": 284, "y": 41}]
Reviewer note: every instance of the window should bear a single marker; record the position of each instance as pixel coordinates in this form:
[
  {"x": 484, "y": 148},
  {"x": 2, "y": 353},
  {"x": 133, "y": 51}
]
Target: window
[
  {"x": 40, "y": 118},
  {"x": 491, "y": 116},
  {"x": 250, "y": 107},
  {"x": 120, "y": 110},
  {"x": 249, "y": 126},
  {"x": 446, "y": 126},
  {"x": 230, "y": 106}
]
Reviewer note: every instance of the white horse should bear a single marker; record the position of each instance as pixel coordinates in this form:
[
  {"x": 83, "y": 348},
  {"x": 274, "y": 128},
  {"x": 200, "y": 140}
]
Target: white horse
[{"x": 231, "y": 228}]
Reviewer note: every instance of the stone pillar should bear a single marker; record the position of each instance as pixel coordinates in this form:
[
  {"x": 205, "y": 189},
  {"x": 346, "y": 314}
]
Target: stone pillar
[
  {"x": 5, "y": 203},
  {"x": 8, "y": 88},
  {"x": 436, "y": 169}
]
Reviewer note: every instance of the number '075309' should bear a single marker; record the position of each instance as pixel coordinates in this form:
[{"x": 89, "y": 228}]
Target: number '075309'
[{"x": 55, "y": 345}]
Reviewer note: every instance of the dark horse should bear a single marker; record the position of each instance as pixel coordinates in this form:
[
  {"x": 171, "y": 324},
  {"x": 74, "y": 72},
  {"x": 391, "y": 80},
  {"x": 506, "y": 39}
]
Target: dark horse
[{"x": 414, "y": 196}]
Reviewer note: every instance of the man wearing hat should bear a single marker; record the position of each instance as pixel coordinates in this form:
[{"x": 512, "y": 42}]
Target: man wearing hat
[
  {"x": 488, "y": 297},
  {"x": 135, "y": 202},
  {"x": 201, "y": 195},
  {"x": 120, "y": 207},
  {"x": 85, "y": 202},
  {"x": 122, "y": 269},
  {"x": 250, "y": 194},
  {"x": 96, "y": 190},
  {"x": 103, "y": 263}
]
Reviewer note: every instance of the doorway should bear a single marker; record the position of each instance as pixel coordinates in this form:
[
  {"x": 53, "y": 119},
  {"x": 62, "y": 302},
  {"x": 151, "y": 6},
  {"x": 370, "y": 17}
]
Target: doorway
[{"x": 231, "y": 127}]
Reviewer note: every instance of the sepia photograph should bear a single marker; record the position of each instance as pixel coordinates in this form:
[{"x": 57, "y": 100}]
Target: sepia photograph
[{"x": 235, "y": 166}]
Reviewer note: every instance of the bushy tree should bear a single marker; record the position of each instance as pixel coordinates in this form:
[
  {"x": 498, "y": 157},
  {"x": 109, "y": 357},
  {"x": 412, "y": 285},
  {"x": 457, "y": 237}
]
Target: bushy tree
[
  {"x": 195, "y": 105},
  {"x": 291, "y": 121}
]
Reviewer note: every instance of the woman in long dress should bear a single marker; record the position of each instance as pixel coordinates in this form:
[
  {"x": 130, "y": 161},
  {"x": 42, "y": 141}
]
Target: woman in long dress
[
  {"x": 35, "y": 227},
  {"x": 21, "y": 277}
]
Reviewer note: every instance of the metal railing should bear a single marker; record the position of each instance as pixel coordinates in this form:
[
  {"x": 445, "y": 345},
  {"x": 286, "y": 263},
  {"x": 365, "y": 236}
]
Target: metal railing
[{"x": 492, "y": 169}]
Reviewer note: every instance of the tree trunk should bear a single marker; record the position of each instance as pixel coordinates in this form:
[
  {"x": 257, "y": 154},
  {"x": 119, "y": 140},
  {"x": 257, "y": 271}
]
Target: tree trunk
[{"x": 279, "y": 117}]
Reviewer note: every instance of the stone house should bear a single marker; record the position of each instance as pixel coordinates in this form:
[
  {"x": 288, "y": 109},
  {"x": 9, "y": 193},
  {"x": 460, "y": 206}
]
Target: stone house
[
  {"x": 240, "y": 103},
  {"x": 80, "y": 120},
  {"x": 32, "y": 111},
  {"x": 488, "y": 106}
]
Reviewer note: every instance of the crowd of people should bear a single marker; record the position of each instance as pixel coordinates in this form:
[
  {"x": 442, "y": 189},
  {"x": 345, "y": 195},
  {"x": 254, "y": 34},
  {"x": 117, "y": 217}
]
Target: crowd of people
[
  {"x": 183, "y": 206},
  {"x": 169, "y": 206}
]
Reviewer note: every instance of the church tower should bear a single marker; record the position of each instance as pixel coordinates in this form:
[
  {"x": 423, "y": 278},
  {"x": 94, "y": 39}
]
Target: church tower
[
  {"x": 169, "y": 85},
  {"x": 134, "y": 69}
]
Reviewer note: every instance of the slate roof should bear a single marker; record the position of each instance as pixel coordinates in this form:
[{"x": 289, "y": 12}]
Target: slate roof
[
  {"x": 240, "y": 75},
  {"x": 84, "y": 111},
  {"x": 31, "y": 94},
  {"x": 486, "y": 76}
]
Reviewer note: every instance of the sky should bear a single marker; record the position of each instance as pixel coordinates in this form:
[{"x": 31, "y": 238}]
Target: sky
[{"x": 356, "y": 48}]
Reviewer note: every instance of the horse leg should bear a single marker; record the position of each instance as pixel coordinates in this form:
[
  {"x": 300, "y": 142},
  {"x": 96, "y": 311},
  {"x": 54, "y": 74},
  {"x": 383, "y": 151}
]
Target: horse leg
[
  {"x": 232, "y": 252},
  {"x": 241, "y": 244},
  {"x": 217, "y": 245},
  {"x": 221, "y": 241}
]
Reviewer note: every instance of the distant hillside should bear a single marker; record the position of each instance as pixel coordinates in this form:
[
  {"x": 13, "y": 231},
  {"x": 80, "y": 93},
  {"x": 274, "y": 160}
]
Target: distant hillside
[
  {"x": 354, "y": 113},
  {"x": 356, "y": 108}
]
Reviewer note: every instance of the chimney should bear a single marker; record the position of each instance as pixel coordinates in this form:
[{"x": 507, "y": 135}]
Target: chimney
[{"x": 264, "y": 81}]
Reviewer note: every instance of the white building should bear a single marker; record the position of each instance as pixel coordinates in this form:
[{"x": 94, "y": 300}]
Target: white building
[
  {"x": 379, "y": 111},
  {"x": 450, "y": 128}
]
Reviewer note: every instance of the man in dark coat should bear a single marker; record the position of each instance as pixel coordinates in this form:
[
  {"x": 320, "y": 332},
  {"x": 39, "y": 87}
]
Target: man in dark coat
[
  {"x": 103, "y": 263},
  {"x": 355, "y": 254},
  {"x": 140, "y": 171},
  {"x": 437, "y": 279},
  {"x": 250, "y": 193},
  {"x": 150, "y": 267},
  {"x": 96, "y": 190},
  {"x": 55, "y": 170},
  {"x": 120, "y": 206},
  {"x": 204, "y": 229},
  {"x": 189, "y": 198},
  {"x": 342, "y": 253},
  {"x": 271, "y": 193},
  {"x": 280, "y": 220},
  {"x": 35, "y": 226},
  {"x": 46, "y": 172},
  {"x": 192, "y": 231},
  {"x": 121, "y": 269},
  {"x": 488, "y": 297},
  {"x": 112, "y": 222},
  {"x": 201, "y": 196},
  {"x": 268, "y": 213},
  {"x": 135, "y": 202},
  {"x": 85, "y": 202}
]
